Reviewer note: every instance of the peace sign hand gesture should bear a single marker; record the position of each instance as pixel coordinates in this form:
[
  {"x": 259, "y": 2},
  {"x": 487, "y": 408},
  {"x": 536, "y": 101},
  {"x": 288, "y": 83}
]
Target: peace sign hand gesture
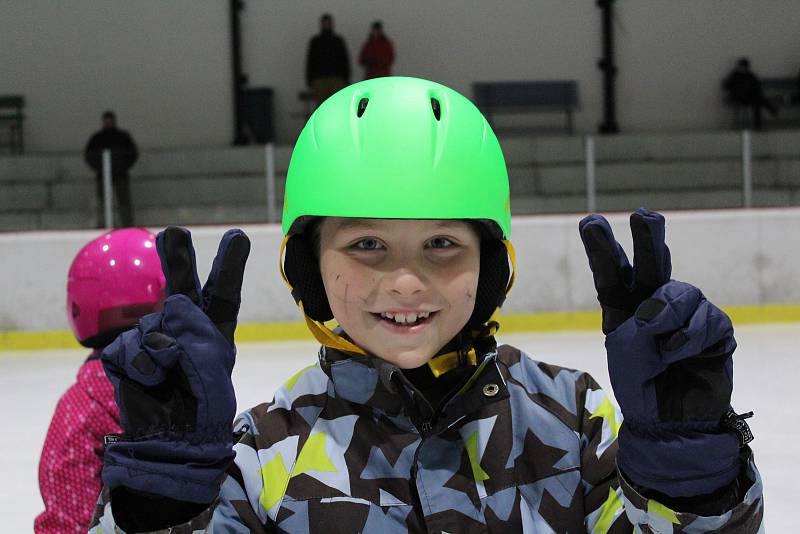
[
  {"x": 669, "y": 359},
  {"x": 172, "y": 377}
]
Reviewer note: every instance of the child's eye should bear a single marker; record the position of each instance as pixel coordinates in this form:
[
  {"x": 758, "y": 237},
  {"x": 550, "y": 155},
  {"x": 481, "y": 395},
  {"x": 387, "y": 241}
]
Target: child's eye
[
  {"x": 368, "y": 244},
  {"x": 440, "y": 242}
]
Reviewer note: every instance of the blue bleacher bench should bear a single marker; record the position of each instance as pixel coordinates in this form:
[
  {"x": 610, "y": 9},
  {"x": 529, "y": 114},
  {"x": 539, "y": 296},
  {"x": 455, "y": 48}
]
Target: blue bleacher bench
[
  {"x": 11, "y": 119},
  {"x": 539, "y": 96}
]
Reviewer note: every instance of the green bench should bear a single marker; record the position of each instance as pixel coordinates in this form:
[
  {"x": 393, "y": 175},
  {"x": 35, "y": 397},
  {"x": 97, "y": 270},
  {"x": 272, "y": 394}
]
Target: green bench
[{"x": 11, "y": 119}]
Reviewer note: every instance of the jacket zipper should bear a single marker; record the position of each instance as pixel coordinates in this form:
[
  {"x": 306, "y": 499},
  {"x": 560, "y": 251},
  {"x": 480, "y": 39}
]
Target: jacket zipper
[{"x": 415, "y": 491}]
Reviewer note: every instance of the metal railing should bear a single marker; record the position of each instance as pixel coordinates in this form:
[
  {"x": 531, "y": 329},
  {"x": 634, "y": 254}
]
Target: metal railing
[
  {"x": 747, "y": 170},
  {"x": 590, "y": 170}
]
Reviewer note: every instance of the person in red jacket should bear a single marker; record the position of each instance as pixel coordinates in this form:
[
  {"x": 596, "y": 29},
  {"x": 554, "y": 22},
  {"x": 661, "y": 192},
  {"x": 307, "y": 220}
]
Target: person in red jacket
[
  {"x": 113, "y": 281},
  {"x": 377, "y": 54}
]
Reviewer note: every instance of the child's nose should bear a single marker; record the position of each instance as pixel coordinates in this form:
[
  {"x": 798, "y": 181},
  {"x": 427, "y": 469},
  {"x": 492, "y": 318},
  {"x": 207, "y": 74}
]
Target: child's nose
[{"x": 406, "y": 283}]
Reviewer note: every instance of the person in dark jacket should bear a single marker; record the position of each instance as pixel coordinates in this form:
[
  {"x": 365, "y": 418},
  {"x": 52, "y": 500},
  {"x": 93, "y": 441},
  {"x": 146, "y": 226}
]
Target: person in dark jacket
[
  {"x": 744, "y": 89},
  {"x": 123, "y": 155},
  {"x": 327, "y": 63},
  {"x": 377, "y": 54}
]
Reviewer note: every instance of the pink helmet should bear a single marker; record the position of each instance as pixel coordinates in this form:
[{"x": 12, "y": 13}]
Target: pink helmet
[{"x": 113, "y": 281}]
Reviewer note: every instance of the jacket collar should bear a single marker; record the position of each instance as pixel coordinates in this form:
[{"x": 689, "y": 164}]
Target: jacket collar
[{"x": 382, "y": 386}]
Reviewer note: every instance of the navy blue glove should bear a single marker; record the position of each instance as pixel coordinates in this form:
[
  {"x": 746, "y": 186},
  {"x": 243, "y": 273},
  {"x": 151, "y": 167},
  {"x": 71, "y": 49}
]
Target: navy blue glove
[
  {"x": 172, "y": 378},
  {"x": 670, "y": 363}
]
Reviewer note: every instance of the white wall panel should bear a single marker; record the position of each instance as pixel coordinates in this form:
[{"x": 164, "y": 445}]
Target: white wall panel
[
  {"x": 734, "y": 256},
  {"x": 165, "y": 66}
]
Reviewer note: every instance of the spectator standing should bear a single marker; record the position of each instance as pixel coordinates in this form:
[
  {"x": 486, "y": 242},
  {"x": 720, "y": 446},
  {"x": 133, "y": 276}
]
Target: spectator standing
[
  {"x": 123, "y": 155},
  {"x": 377, "y": 54},
  {"x": 744, "y": 89},
  {"x": 327, "y": 63}
]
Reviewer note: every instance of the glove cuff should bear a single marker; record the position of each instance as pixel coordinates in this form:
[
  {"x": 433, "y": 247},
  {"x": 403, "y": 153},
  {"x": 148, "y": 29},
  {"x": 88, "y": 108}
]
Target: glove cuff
[
  {"x": 679, "y": 464},
  {"x": 192, "y": 473}
]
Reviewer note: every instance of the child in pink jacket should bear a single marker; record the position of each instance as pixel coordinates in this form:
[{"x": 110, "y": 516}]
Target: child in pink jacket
[{"x": 112, "y": 282}]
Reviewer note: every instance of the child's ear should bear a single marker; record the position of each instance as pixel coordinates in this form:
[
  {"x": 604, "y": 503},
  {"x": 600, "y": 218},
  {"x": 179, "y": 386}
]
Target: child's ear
[
  {"x": 301, "y": 265},
  {"x": 492, "y": 281}
]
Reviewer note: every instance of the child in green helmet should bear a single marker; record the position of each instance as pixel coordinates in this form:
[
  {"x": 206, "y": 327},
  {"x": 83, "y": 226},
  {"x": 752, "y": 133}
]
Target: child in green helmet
[{"x": 397, "y": 228}]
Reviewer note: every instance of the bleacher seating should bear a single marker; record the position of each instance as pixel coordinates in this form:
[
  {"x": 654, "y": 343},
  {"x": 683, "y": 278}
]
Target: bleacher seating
[{"x": 547, "y": 175}]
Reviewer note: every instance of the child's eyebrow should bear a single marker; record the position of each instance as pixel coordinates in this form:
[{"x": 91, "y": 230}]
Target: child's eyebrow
[
  {"x": 449, "y": 223},
  {"x": 346, "y": 223}
]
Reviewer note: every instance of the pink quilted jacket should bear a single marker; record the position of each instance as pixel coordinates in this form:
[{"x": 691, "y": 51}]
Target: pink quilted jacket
[{"x": 72, "y": 457}]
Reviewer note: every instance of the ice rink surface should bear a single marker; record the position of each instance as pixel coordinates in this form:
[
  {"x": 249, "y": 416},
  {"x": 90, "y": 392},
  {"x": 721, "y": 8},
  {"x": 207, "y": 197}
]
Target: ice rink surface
[{"x": 767, "y": 376}]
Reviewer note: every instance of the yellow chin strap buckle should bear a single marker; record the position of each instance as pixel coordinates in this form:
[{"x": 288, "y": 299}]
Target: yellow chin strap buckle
[
  {"x": 439, "y": 364},
  {"x": 445, "y": 362},
  {"x": 321, "y": 333}
]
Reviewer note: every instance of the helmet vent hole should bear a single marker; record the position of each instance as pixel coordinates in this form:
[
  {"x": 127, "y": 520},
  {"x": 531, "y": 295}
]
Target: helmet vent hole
[
  {"x": 437, "y": 110},
  {"x": 362, "y": 107}
]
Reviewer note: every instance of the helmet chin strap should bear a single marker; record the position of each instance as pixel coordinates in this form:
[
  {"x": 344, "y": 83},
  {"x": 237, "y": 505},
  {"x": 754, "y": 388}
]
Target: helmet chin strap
[{"x": 440, "y": 363}]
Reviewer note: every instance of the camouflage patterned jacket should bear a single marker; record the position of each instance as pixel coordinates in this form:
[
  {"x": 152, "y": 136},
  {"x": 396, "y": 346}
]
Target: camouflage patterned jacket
[{"x": 349, "y": 445}]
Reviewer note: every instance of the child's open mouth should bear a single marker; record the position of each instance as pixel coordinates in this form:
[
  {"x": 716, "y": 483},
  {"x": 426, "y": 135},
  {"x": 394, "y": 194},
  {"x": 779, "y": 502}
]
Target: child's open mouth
[{"x": 404, "y": 322}]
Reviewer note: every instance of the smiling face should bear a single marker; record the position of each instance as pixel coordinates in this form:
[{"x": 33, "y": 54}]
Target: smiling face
[{"x": 400, "y": 289}]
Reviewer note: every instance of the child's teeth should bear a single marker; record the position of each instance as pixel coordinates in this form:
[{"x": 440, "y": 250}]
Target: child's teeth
[{"x": 405, "y": 318}]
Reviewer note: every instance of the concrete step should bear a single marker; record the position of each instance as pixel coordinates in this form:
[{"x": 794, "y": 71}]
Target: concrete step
[
  {"x": 211, "y": 161},
  {"x": 28, "y": 168},
  {"x": 197, "y": 214},
  {"x": 147, "y": 216},
  {"x": 711, "y": 199},
  {"x": 23, "y": 196},
  {"x": 535, "y": 205},
  {"x": 18, "y": 221},
  {"x": 649, "y": 147},
  {"x": 528, "y": 179},
  {"x": 654, "y": 175},
  {"x": 247, "y": 189},
  {"x": 653, "y": 146},
  {"x": 783, "y": 143},
  {"x": 776, "y": 197},
  {"x": 201, "y": 161},
  {"x": 786, "y": 172},
  {"x": 171, "y": 191},
  {"x": 522, "y": 204},
  {"x": 67, "y": 219},
  {"x": 663, "y": 176},
  {"x": 527, "y": 150},
  {"x": 191, "y": 190},
  {"x": 658, "y": 200},
  {"x": 72, "y": 167},
  {"x": 73, "y": 195}
]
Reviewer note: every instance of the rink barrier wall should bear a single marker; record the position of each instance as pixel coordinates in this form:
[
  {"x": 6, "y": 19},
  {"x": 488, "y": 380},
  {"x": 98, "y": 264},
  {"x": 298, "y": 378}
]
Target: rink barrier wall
[
  {"x": 511, "y": 323},
  {"x": 745, "y": 260}
]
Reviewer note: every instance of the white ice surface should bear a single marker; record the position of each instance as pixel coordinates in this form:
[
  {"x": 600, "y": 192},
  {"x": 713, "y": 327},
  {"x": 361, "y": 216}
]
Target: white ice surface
[{"x": 767, "y": 374}]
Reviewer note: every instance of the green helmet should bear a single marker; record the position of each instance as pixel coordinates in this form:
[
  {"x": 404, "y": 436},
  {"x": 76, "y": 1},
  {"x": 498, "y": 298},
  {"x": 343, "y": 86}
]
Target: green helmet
[{"x": 397, "y": 148}]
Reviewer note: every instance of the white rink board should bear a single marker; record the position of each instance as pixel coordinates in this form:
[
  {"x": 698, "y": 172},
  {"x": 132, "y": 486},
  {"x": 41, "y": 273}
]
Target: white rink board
[
  {"x": 766, "y": 374},
  {"x": 734, "y": 256}
]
